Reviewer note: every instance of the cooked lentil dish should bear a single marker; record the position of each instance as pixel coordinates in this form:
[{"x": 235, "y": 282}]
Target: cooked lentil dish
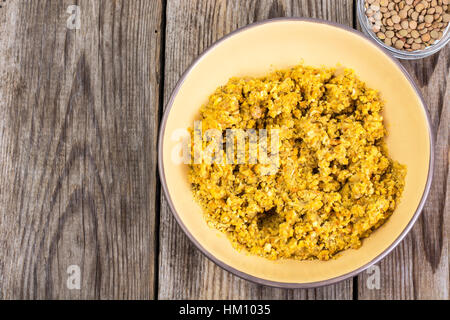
[{"x": 335, "y": 182}]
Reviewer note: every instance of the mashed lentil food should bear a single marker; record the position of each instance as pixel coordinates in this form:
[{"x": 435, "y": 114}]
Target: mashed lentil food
[{"x": 335, "y": 182}]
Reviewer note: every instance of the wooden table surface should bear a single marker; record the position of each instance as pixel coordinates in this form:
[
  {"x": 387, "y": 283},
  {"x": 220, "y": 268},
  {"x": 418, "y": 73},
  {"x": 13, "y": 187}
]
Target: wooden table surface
[{"x": 79, "y": 116}]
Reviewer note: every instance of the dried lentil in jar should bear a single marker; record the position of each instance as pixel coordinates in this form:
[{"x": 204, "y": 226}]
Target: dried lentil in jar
[{"x": 408, "y": 24}]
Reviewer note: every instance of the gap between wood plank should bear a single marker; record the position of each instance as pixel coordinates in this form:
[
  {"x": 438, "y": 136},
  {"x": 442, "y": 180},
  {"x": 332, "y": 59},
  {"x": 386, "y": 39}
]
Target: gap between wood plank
[{"x": 162, "y": 61}]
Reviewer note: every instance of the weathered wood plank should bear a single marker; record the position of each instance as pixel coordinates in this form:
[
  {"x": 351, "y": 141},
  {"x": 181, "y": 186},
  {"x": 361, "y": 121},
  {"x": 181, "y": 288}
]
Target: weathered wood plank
[
  {"x": 419, "y": 267},
  {"x": 78, "y": 128},
  {"x": 184, "y": 273}
]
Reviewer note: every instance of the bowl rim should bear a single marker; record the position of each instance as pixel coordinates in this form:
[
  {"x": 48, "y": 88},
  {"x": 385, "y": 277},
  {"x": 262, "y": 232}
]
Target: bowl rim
[{"x": 244, "y": 275}]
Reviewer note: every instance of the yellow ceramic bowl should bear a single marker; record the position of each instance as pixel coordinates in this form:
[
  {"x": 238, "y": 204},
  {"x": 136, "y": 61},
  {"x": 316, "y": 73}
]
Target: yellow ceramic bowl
[{"x": 279, "y": 43}]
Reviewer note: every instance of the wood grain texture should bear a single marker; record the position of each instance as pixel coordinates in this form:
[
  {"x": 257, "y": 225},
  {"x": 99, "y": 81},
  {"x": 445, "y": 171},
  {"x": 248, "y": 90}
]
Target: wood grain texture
[
  {"x": 78, "y": 128},
  {"x": 79, "y": 112},
  {"x": 419, "y": 267},
  {"x": 192, "y": 26}
]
